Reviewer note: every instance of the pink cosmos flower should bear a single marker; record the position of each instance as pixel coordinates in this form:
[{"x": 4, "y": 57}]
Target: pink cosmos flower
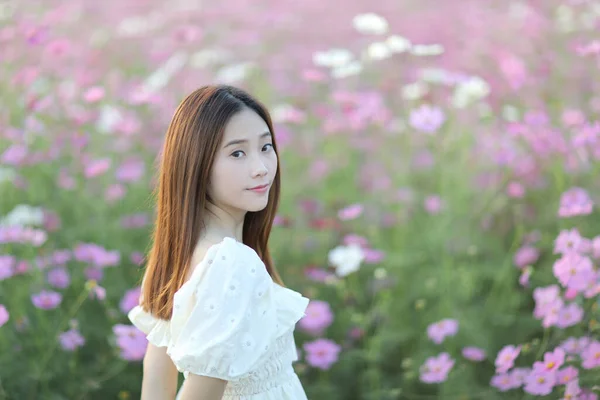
[
  {"x": 571, "y": 241},
  {"x": 4, "y": 315},
  {"x": 473, "y": 353},
  {"x": 46, "y": 299},
  {"x": 130, "y": 299},
  {"x": 318, "y": 317},
  {"x": 540, "y": 382},
  {"x": 575, "y": 201},
  {"x": 569, "y": 316},
  {"x": 131, "y": 341},
  {"x": 552, "y": 361},
  {"x": 567, "y": 374},
  {"x": 591, "y": 356},
  {"x": 436, "y": 369},
  {"x": 506, "y": 358},
  {"x": 525, "y": 256},
  {"x": 321, "y": 353},
  {"x": 351, "y": 212},
  {"x": 94, "y": 94},
  {"x": 427, "y": 118},
  {"x": 438, "y": 331},
  {"x": 505, "y": 381},
  {"x": 71, "y": 340}
]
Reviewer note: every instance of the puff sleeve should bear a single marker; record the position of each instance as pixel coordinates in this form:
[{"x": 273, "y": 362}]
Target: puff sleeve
[{"x": 224, "y": 317}]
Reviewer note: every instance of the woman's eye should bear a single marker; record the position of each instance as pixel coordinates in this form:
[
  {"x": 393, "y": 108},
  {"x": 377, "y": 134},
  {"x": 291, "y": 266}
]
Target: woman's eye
[
  {"x": 268, "y": 144},
  {"x": 237, "y": 152}
]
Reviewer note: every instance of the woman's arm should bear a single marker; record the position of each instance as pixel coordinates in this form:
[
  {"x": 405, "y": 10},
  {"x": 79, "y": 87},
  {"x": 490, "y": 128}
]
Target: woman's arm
[
  {"x": 160, "y": 375},
  {"x": 197, "y": 387}
]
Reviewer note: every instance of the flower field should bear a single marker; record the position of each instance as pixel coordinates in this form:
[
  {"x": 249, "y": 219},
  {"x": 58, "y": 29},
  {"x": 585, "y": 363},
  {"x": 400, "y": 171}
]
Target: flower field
[{"x": 440, "y": 166}]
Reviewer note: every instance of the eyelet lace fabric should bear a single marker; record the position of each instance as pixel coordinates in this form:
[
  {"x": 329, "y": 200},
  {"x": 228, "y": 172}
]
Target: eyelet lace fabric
[{"x": 231, "y": 321}]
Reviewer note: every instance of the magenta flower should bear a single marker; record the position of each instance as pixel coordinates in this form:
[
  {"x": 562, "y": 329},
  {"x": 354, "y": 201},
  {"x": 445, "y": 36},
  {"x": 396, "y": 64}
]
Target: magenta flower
[
  {"x": 591, "y": 356},
  {"x": 373, "y": 256},
  {"x": 14, "y": 155},
  {"x": 436, "y": 369},
  {"x": 572, "y": 390},
  {"x": 505, "y": 381},
  {"x": 586, "y": 394},
  {"x": 3, "y": 315},
  {"x": 515, "y": 190},
  {"x": 321, "y": 353},
  {"x": 519, "y": 375},
  {"x": 569, "y": 316},
  {"x": 525, "y": 256},
  {"x": 59, "y": 278},
  {"x": 130, "y": 299},
  {"x": 96, "y": 291},
  {"x": 352, "y": 238},
  {"x": 567, "y": 374},
  {"x": 575, "y": 201},
  {"x": 473, "y": 353},
  {"x": 114, "y": 192},
  {"x": 552, "y": 361},
  {"x": 46, "y": 299},
  {"x": 318, "y": 317},
  {"x": 433, "y": 204},
  {"x": 351, "y": 212},
  {"x": 584, "y": 280},
  {"x": 596, "y": 247},
  {"x": 94, "y": 94},
  {"x": 540, "y": 382},
  {"x": 438, "y": 331},
  {"x": 94, "y": 274},
  {"x": 317, "y": 274},
  {"x": 7, "y": 264},
  {"x": 131, "y": 341},
  {"x": 552, "y": 314},
  {"x": 575, "y": 345},
  {"x": 427, "y": 119},
  {"x": 131, "y": 170},
  {"x": 524, "y": 277},
  {"x": 71, "y": 340},
  {"x": 544, "y": 297},
  {"x": 96, "y": 255},
  {"x": 569, "y": 265},
  {"x": 506, "y": 358},
  {"x": 96, "y": 167},
  {"x": 571, "y": 241}
]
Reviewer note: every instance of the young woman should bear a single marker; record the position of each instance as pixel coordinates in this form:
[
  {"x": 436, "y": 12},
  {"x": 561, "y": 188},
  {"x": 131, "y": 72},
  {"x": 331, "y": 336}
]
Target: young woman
[{"x": 213, "y": 305}]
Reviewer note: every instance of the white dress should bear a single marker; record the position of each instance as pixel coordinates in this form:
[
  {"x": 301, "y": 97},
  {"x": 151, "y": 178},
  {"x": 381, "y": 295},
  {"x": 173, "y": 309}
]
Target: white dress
[{"x": 232, "y": 321}]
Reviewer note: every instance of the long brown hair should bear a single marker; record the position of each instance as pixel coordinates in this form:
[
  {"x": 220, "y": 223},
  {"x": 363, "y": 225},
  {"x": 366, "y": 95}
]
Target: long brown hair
[{"x": 192, "y": 140}]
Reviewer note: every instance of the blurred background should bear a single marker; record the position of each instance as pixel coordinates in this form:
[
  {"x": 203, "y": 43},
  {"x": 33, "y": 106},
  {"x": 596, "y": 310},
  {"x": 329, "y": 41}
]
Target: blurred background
[{"x": 439, "y": 164}]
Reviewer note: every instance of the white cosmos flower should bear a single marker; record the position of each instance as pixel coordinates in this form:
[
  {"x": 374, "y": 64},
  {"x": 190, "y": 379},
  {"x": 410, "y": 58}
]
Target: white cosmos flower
[
  {"x": 398, "y": 44},
  {"x": 24, "y": 215},
  {"x": 211, "y": 56},
  {"x": 353, "y": 68},
  {"x": 234, "y": 73},
  {"x": 378, "y": 51},
  {"x": 470, "y": 91},
  {"x": 159, "y": 78},
  {"x": 370, "y": 23},
  {"x": 333, "y": 58},
  {"x": 109, "y": 117},
  {"x": 346, "y": 259},
  {"x": 414, "y": 91},
  {"x": 427, "y": 49}
]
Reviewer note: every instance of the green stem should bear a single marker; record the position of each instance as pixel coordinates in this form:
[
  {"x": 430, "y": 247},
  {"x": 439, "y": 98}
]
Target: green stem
[{"x": 46, "y": 358}]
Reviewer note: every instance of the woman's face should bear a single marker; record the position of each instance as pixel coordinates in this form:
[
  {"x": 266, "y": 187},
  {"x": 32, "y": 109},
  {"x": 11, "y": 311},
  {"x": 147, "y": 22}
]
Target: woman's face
[{"x": 245, "y": 159}]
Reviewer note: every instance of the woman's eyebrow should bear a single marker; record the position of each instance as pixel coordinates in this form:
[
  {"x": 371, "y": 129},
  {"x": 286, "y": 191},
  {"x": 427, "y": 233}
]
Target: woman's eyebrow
[{"x": 238, "y": 141}]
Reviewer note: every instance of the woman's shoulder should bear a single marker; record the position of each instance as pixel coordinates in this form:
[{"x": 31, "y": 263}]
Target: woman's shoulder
[{"x": 225, "y": 253}]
